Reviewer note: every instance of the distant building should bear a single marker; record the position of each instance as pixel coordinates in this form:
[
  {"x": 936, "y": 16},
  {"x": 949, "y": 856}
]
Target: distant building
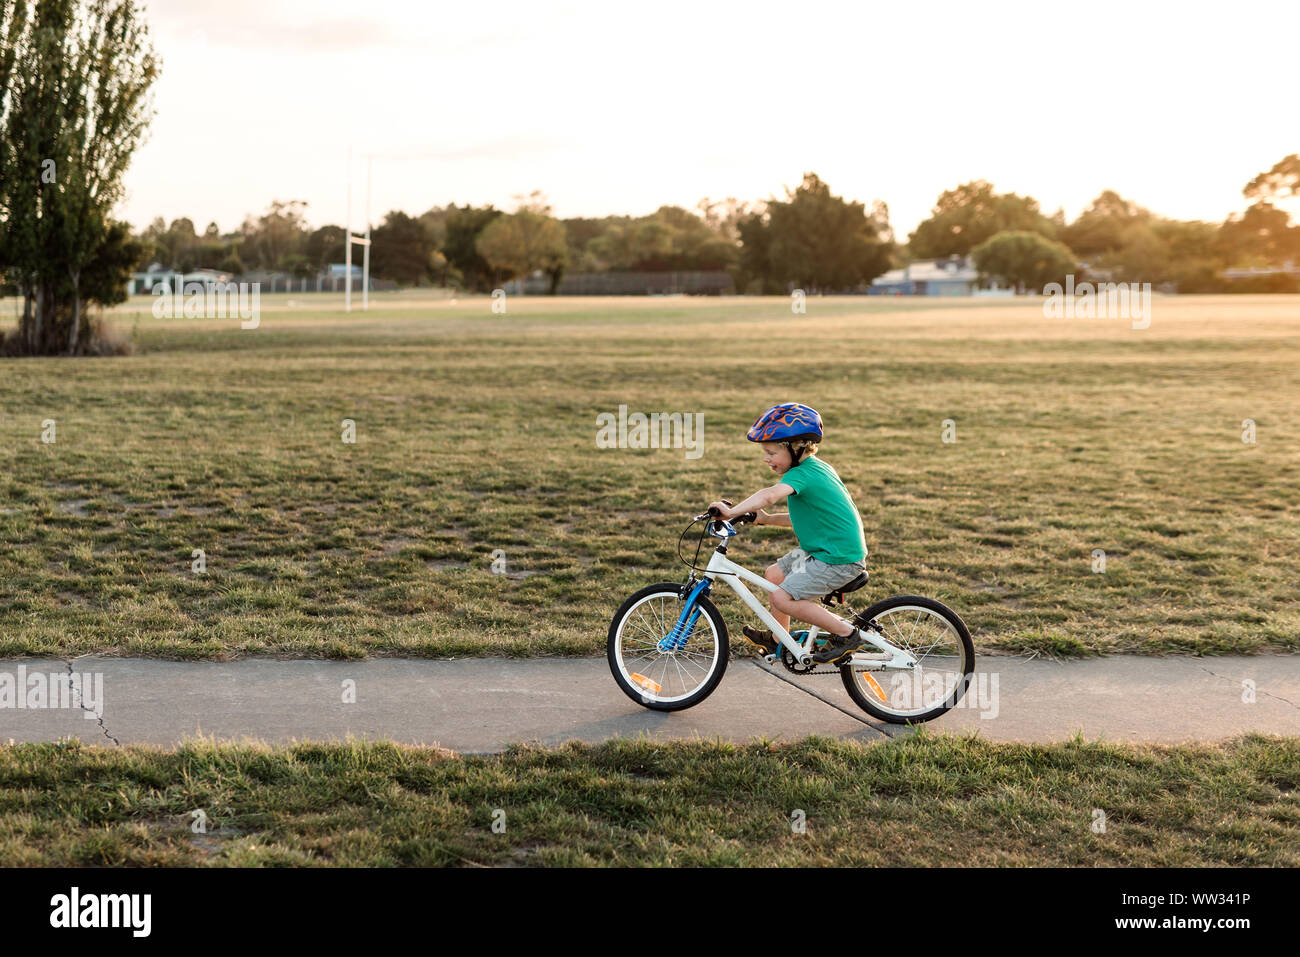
[
  {"x": 1288, "y": 268},
  {"x": 954, "y": 276},
  {"x": 334, "y": 278},
  {"x": 144, "y": 282}
]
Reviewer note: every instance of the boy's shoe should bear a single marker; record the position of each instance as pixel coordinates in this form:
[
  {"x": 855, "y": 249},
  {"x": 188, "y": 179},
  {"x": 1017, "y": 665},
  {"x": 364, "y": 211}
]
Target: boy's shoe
[
  {"x": 764, "y": 639},
  {"x": 839, "y": 648}
]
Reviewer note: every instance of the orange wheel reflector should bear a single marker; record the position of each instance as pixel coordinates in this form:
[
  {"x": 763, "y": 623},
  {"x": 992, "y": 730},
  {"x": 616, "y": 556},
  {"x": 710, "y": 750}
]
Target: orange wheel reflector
[
  {"x": 873, "y": 685},
  {"x": 649, "y": 685}
]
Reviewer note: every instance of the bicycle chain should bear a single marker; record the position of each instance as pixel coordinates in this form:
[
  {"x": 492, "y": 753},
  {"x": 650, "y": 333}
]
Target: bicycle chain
[{"x": 795, "y": 669}]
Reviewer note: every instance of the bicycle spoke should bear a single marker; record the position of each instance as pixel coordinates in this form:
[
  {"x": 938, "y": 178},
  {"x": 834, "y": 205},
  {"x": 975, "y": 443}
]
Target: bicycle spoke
[
  {"x": 656, "y": 625},
  {"x": 645, "y": 657},
  {"x": 689, "y": 663},
  {"x": 661, "y": 618},
  {"x": 681, "y": 680}
]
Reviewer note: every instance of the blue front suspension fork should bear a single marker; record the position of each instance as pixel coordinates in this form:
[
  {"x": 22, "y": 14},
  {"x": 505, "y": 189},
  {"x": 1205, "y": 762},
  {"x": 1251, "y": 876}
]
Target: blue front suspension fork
[{"x": 676, "y": 639}]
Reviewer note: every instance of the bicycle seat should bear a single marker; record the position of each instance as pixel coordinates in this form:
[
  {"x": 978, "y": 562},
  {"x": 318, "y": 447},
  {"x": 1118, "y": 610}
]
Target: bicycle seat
[{"x": 838, "y": 594}]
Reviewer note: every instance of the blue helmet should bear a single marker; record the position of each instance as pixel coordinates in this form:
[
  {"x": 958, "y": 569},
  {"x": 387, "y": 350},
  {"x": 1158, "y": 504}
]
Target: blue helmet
[{"x": 786, "y": 423}]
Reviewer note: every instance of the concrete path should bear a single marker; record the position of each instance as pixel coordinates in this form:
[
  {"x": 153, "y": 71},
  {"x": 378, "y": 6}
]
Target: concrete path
[{"x": 481, "y": 705}]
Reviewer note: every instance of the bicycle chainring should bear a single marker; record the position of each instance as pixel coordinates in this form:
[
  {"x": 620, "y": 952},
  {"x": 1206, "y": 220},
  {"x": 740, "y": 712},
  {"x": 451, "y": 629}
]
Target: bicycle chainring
[{"x": 792, "y": 666}]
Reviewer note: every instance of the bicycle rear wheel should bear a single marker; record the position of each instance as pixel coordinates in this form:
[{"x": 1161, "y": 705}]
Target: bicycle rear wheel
[
  {"x": 937, "y": 638},
  {"x": 651, "y": 673}
]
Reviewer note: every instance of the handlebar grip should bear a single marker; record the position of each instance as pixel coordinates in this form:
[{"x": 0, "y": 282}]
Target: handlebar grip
[{"x": 746, "y": 519}]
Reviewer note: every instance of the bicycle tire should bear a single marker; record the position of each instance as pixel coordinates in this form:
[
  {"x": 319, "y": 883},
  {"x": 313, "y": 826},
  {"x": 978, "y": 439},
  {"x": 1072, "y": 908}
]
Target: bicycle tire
[
  {"x": 644, "y": 696},
  {"x": 869, "y": 703}
]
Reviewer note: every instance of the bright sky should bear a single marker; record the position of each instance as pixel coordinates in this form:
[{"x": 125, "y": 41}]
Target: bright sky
[{"x": 619, "y": 108}]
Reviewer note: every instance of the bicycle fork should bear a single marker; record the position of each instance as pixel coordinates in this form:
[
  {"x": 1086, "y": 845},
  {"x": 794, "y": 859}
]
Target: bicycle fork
[{"x": 676, "y": 639}]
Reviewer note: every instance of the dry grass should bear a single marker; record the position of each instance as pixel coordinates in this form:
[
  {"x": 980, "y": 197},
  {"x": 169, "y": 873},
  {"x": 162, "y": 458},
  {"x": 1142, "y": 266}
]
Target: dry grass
[{"x": 477, "y": 432}]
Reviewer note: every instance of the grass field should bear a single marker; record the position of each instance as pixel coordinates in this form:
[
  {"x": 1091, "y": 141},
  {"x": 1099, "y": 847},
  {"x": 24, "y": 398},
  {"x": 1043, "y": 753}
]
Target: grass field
[
  {"x": 923, "y": 800},
  {"x": 477, "y": 432}
]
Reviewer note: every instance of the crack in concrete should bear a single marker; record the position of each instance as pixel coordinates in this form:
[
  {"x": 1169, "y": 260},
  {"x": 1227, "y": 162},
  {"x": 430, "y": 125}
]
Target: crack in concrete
[
  {"x": 806, "y": 691},
  {"x": 1258, "y": 690},
  {"x": 99, "y": 717}
]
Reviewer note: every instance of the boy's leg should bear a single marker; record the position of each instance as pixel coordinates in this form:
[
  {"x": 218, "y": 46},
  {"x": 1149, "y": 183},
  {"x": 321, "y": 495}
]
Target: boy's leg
[
  {"x": 762, "y": 637},
  {"x": 810, "y": 611},
  {"x": 776, "y": 576}
]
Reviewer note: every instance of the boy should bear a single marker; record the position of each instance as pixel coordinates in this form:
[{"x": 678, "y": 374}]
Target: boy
[{"x": 833, "y": 549}]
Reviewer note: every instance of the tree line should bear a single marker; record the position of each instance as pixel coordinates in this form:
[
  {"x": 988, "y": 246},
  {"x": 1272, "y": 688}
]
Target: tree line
[{"x": 811, "y": 239}]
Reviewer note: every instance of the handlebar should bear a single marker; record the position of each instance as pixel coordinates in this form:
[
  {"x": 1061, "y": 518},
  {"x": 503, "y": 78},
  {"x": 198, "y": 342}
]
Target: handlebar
[
  {"x": 746, "y": 519},
  {"x": 715, "y": 526}
]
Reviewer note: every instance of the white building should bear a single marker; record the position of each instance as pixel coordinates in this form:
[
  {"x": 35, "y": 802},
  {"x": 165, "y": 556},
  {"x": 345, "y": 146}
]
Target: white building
[{"x": 954, "y": 276}]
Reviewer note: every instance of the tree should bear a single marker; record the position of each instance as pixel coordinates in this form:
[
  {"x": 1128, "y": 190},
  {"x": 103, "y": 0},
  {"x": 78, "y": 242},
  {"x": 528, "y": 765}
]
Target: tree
[
  {"x": 1023, "y": 259},
  {"x": 693, "y": 243},
  {"x": 1280, "y": 182},
  {"x": 525, "y": 241},
  {"x": 297, "y": 265},
  {"x": 325, "y": 246},
  {"x": 1263, "y": 234},
  {"x": 434, "y": 221},
  {"x": 116, "y": 256},
  {"x": 438, "y": 266},
  {"x": 278, "y": 233},
  {"x": 754, "y": 271},
  {"x": 74, "y": 81},
  {"x": 1142, "y": 256},
  {"x": 817, "y": 241},
  {"x": 401, "y": 249},
  {"x": 581, "y": 233},
  {"x": 183, "y": 243},
  {"x": 724, "y": 216},
  {"x": 670, "y": 238},
  {"x": 1101, "y": 228},
  {"x": 966, "y": 216},
  {"x": 463, "y": 228}
]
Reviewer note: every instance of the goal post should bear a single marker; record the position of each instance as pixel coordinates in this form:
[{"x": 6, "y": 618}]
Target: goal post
[{"x": 349, "y": 239}]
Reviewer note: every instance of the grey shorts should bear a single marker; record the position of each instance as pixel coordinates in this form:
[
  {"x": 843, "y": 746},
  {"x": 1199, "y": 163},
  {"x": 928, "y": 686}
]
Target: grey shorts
[{"x": 807, "y": 577}]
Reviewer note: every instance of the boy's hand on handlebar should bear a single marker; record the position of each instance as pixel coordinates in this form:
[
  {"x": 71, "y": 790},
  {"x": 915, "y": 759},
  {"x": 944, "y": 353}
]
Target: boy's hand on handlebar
[
  {"x": 726, "y": 511},
  {"x": 721, "y": 509}
]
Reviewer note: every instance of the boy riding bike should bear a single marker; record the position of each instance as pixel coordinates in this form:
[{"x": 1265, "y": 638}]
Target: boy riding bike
[{"x": 833, "y": 549}]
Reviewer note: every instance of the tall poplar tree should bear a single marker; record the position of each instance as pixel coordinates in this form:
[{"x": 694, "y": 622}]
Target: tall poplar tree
[{"x": 74, "y": 83}]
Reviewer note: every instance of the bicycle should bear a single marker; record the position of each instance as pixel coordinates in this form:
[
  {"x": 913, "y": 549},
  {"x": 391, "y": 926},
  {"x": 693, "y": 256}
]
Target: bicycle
[{"x": 663, "y": 659}]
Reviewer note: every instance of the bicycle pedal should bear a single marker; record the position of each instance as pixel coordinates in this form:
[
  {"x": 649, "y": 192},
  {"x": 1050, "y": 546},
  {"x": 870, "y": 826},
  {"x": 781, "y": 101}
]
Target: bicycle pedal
[{"x": 770, "y": 659}]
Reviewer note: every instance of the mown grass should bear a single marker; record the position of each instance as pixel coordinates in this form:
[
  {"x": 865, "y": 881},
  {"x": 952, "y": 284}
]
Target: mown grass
[
  {"x": 476, "y": 432},
  {"x": 922, "y": 800}
]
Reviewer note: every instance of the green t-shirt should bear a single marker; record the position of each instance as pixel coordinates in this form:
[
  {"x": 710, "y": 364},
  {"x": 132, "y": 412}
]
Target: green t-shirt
[{"x": 825, "y": 520}]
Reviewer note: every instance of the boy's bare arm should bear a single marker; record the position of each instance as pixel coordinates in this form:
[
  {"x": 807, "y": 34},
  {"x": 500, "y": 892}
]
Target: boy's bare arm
[
  {"x": 756, "y": 502},
  {"x": 768, "y": 518}
]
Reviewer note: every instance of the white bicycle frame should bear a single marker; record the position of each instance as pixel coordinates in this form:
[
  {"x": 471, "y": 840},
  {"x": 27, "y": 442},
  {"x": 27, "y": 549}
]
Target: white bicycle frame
[{"x": 720, "y": 566}]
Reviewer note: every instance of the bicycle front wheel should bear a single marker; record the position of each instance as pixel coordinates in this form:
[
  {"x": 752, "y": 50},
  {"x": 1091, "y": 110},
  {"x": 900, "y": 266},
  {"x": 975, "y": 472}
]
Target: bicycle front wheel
[
  {"x": 937, "y": 638},
  {"x": 658, "y": 673}
]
